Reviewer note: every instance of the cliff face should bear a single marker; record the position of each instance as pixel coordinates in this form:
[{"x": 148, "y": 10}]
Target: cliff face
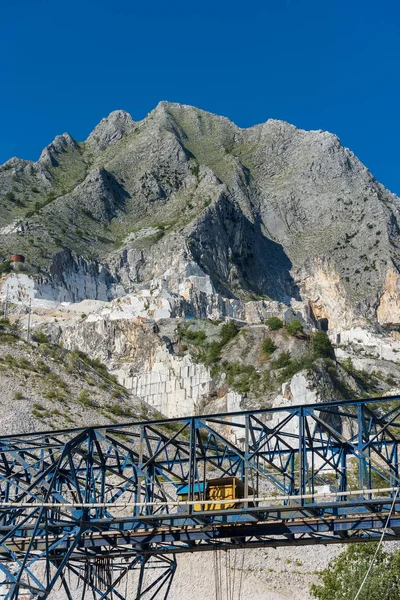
[{"x": 208, "y": 212}]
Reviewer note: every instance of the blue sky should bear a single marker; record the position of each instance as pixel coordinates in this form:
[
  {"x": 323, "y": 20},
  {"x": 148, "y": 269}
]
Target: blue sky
[{"x": 326, "y": 64}]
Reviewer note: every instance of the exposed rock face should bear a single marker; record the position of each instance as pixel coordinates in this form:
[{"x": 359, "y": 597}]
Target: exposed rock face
[
  {"x": 237, "y": 255},
  {"x": 71, "y": 279},
  {"x": 100, "y": 197},
  {"x": 144, "y": 362},
  {"x": 60, "y": 145},
  {"x": 174, "y": 386},
  {"x": 388, "y": 311},
  {"x": 321, "y": 283},
  {"x": 201, "y": 206},
  {"x": 110, "y": 130},
  {"x": 82, "y": 279}
]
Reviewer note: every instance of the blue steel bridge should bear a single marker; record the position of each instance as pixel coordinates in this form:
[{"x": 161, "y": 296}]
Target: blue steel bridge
[{"x": 82, "y": 509}]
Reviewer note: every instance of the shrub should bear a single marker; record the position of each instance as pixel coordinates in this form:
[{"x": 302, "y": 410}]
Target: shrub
[
  {"x": 212, "y": 351},
  {"x": 274, "y": 323},
  {"x": 18, "y": 395},
  {"x": 85, "y": 400},
  {"x": 55, "y": 380},
  {"x": 268, "y": 346},
  {"x": 245, "y": 378},
  {"x": 42, "y": 367},
  {"x": 10, "y": 197},
  {"x": 24, "y": 363},
  {"x": 5, "y": 267},
  {"x": 79, "y": 358},
  {"x": 54, "y": 394},
  {"x": 367, "y": 381},
  {"x": 241, "y": 377},
  {"x": 10, "y": 360},
  {"x": 347, "y": 364},
  {"x": 195, "y": 337},
  {"x": 228, "y": 331},
  {"x": 391, "y": 380},
  {"x": 295, "y": 366},
  {"x": 211, "y": 354},
  {"x": 15, "y": 328},
  {"x": 40, "y": 337},
  {"x": 9, "y": 331},
  {"x": 119, "y": 411},
  {"x": 37, "y": 414},
  {"x": 343, "y": 577},
  {"x": 282, "y": 361},
  {"x": 294, "y": 327},
  {"x": 322, "y": 346}
]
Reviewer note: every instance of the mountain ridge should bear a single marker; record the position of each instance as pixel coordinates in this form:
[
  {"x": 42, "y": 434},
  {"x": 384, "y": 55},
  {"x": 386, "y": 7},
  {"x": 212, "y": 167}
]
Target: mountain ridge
[{"x": 268, "y": 190}]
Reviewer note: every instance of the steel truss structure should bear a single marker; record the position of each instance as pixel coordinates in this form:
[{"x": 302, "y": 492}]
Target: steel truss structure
[{"x": 85, "y": 512}]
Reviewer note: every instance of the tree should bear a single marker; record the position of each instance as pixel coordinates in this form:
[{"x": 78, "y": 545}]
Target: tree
[
  {"x": 294, "y": 327},
  {"x": 10, "y": 196},
  {"x": 282, "y": 361},
  {"x": 268, "y": 346},
  {"x": 40, "y": 337},
  {"x": 322, "y": 346},
  {"x": 5, "y": 267},
  {"x": 228, "y": 331},
  {"x": 344, "y": 576},
  {"x": 274, "y": 323}
]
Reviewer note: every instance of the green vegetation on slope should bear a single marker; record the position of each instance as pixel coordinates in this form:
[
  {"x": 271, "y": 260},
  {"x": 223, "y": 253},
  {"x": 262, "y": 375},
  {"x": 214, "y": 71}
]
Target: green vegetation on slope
[
  {"x": 268, "y": 375},
  {"x": 344, "y": 576},
  {"x": 64, "y": 381}
]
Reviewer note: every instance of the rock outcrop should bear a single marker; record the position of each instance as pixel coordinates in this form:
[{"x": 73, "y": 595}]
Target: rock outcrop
[{"x": 110, "y": 130}]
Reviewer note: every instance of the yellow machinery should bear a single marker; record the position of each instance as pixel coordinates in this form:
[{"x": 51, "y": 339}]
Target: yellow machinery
[{"x": 223, "y": 488}]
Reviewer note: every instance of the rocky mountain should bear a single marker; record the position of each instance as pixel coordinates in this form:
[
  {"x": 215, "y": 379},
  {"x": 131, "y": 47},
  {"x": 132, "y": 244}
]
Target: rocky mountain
[
  {"x": 181, "y": 264},
  {"x": 135, "y": 237},
  {"x": 214, "y": 214},
  {"x": 184, "y": 215}
]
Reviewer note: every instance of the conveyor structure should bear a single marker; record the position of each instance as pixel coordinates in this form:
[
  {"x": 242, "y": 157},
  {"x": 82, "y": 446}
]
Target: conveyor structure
[{"x": 83, "y": 509}]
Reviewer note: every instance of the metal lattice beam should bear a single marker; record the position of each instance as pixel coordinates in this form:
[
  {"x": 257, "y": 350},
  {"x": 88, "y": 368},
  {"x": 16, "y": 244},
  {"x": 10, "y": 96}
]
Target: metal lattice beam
[{"x": 96, "y": 505}]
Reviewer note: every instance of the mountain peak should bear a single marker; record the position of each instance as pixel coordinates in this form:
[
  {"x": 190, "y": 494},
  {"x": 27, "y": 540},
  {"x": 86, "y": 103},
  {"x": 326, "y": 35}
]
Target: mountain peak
[
  {"x": 15, "y": 163},
  {"x": 59, "y": 145},
  {"x": 175, "y": 108},
  {"x": 111, "y": 129}
]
